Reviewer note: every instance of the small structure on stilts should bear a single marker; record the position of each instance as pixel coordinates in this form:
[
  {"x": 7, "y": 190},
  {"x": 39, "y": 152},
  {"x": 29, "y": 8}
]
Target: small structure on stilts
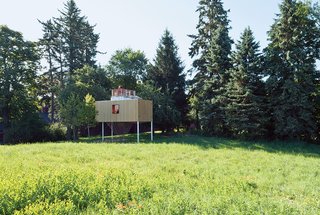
[{"x": 124, "y": 107}]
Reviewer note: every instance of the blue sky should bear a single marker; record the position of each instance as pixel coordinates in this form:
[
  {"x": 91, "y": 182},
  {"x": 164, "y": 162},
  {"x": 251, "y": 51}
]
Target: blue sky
[{"x": 139, "y": 24}]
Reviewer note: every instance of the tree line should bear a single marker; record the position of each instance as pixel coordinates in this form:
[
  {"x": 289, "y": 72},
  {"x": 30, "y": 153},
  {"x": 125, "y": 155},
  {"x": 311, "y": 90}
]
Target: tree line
[
  {"x": 246, "y": 93},
  {"x": 242, "y": 92}
]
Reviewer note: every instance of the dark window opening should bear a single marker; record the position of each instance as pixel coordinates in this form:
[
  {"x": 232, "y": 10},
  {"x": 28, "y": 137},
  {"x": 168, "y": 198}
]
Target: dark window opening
[{"x": 115, "y": 109}]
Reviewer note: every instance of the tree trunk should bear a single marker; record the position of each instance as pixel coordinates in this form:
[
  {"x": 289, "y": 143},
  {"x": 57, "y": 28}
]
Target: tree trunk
[
  {"x": 77, "y": 133},
  {"x": 52, "y": 107},
  {"x": 61, "y": 76},
  {"x": 88, "y": 131},
  {"x": 197, "y": 119},
  {"x": 52, "y": 85},
  {"x": 69, "y": 131},
  {"x": 74, "y": 134},
  {"x": 6, "y": 123}
]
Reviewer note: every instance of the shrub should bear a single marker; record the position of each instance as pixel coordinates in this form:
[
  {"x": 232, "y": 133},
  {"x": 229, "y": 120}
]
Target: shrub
[
  {"x": 30, "y": 128},
  {"x": 55, "y": 132}
]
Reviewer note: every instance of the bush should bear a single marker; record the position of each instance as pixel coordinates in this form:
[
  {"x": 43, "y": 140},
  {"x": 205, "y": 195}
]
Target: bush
[
  {"x": 30, "y": 128},
  {"x": 34, "y": 130},
  {"x": 55, "y": 132}
]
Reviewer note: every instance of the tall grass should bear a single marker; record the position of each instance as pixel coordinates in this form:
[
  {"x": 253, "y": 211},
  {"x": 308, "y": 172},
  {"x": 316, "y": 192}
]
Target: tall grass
[{"x": 176, "y": 175}]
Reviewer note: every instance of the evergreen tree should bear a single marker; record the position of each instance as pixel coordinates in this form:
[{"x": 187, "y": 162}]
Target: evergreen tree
[
  {"x": 74, "y": 43},
  {"x": 50, "y": 78},
  {"x": 165, "y": 112},
  {"x": 167, "y": 74},
  {"x": 246, "y": 116},
  {"x": 291, "y": 57},
  {"x": 212, "y": 48}
]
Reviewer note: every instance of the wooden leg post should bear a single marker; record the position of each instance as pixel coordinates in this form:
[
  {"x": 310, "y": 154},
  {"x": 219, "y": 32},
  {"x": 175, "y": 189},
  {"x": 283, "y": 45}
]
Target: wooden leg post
[
  {"x": 151, "y": 135},
  {"x": 138, "y": 132},
  {"x": 102, "y": 132},
  {"x": 111, "y": 131}
]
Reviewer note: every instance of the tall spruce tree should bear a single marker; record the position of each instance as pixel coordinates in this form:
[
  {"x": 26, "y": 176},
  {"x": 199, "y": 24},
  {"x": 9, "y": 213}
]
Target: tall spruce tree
[
  {"x": 211, "y": 48},
  {"x": 246, "y": 116},
  {"x": 75, "y": 43},
  {"x": 291, "y": 57},
  {"x": 167, "y": 74}
]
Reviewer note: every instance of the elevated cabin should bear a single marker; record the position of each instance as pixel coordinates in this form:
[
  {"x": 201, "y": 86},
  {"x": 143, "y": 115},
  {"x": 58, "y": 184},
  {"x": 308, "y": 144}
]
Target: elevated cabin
[{"x": 124, "y": 106}]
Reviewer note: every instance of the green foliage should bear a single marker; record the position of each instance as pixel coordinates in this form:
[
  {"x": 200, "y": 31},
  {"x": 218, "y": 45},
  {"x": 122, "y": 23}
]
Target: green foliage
[
  {"x": 93, "y": 81},
  {"x": 55, "y": 132},
  {"x": 87, "y": 80},
  {"x": 88, "y": 112},
  {"x": 75, "y": 112},
  {"x": 28, "y": 128},
  {"x": 68, "y": 45},
  {"x": 246, "y": 106},
  {"x": 167, "y": 75},
  {"x": 211, "y": 48},
  {"x": 18, "y": 63},
  {"x": 70, "y": 112},
  {"x": 78, "y": 38},
  {"x": 126, "y": 67},
  {"x": 190, "y": 175},
  {"x": 165, "y": 114},
  {"x": 291, "y": 58},
  {"x": 48, "y": 82}
]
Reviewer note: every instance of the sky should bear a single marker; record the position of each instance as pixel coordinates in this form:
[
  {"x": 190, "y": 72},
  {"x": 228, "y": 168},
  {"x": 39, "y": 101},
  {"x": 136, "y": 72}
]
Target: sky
[{"x": 139, "y": 24}]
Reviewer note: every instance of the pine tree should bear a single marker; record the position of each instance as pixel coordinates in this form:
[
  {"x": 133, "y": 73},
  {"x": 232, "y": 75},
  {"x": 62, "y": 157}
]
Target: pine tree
[
  {"x": 246, "y": 116},
  {"x": 212, "y": 48},
  {"x": 79, "y": 42},
  {"x": 291, "y": 57},
  {"x": 167, "y": 74}
]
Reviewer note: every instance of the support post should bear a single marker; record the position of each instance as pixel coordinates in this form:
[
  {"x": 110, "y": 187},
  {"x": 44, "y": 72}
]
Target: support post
[
  {"x": 151, "y": 135},
  {"x": 112, "y": 132},
  {"x": 102, "y": 132},
  {"x": 138, "y": 132}
]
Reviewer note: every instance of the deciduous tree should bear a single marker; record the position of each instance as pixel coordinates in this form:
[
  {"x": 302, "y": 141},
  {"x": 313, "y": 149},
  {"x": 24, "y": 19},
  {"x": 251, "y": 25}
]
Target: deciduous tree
[
  {"x": 18, "y": 65},
  {"x": 126, "y": 67}
]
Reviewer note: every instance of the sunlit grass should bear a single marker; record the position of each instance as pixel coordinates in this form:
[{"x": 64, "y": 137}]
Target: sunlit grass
[{"x": 173, "y": 175}]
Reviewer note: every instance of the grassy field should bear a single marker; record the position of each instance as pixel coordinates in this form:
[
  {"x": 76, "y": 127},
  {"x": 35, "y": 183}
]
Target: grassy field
[{"x": 174, "y": 175}]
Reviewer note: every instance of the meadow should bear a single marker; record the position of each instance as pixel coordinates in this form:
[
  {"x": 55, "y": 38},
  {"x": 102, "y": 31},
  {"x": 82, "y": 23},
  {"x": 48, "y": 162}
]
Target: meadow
[{"x": 173, "y": 175}]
